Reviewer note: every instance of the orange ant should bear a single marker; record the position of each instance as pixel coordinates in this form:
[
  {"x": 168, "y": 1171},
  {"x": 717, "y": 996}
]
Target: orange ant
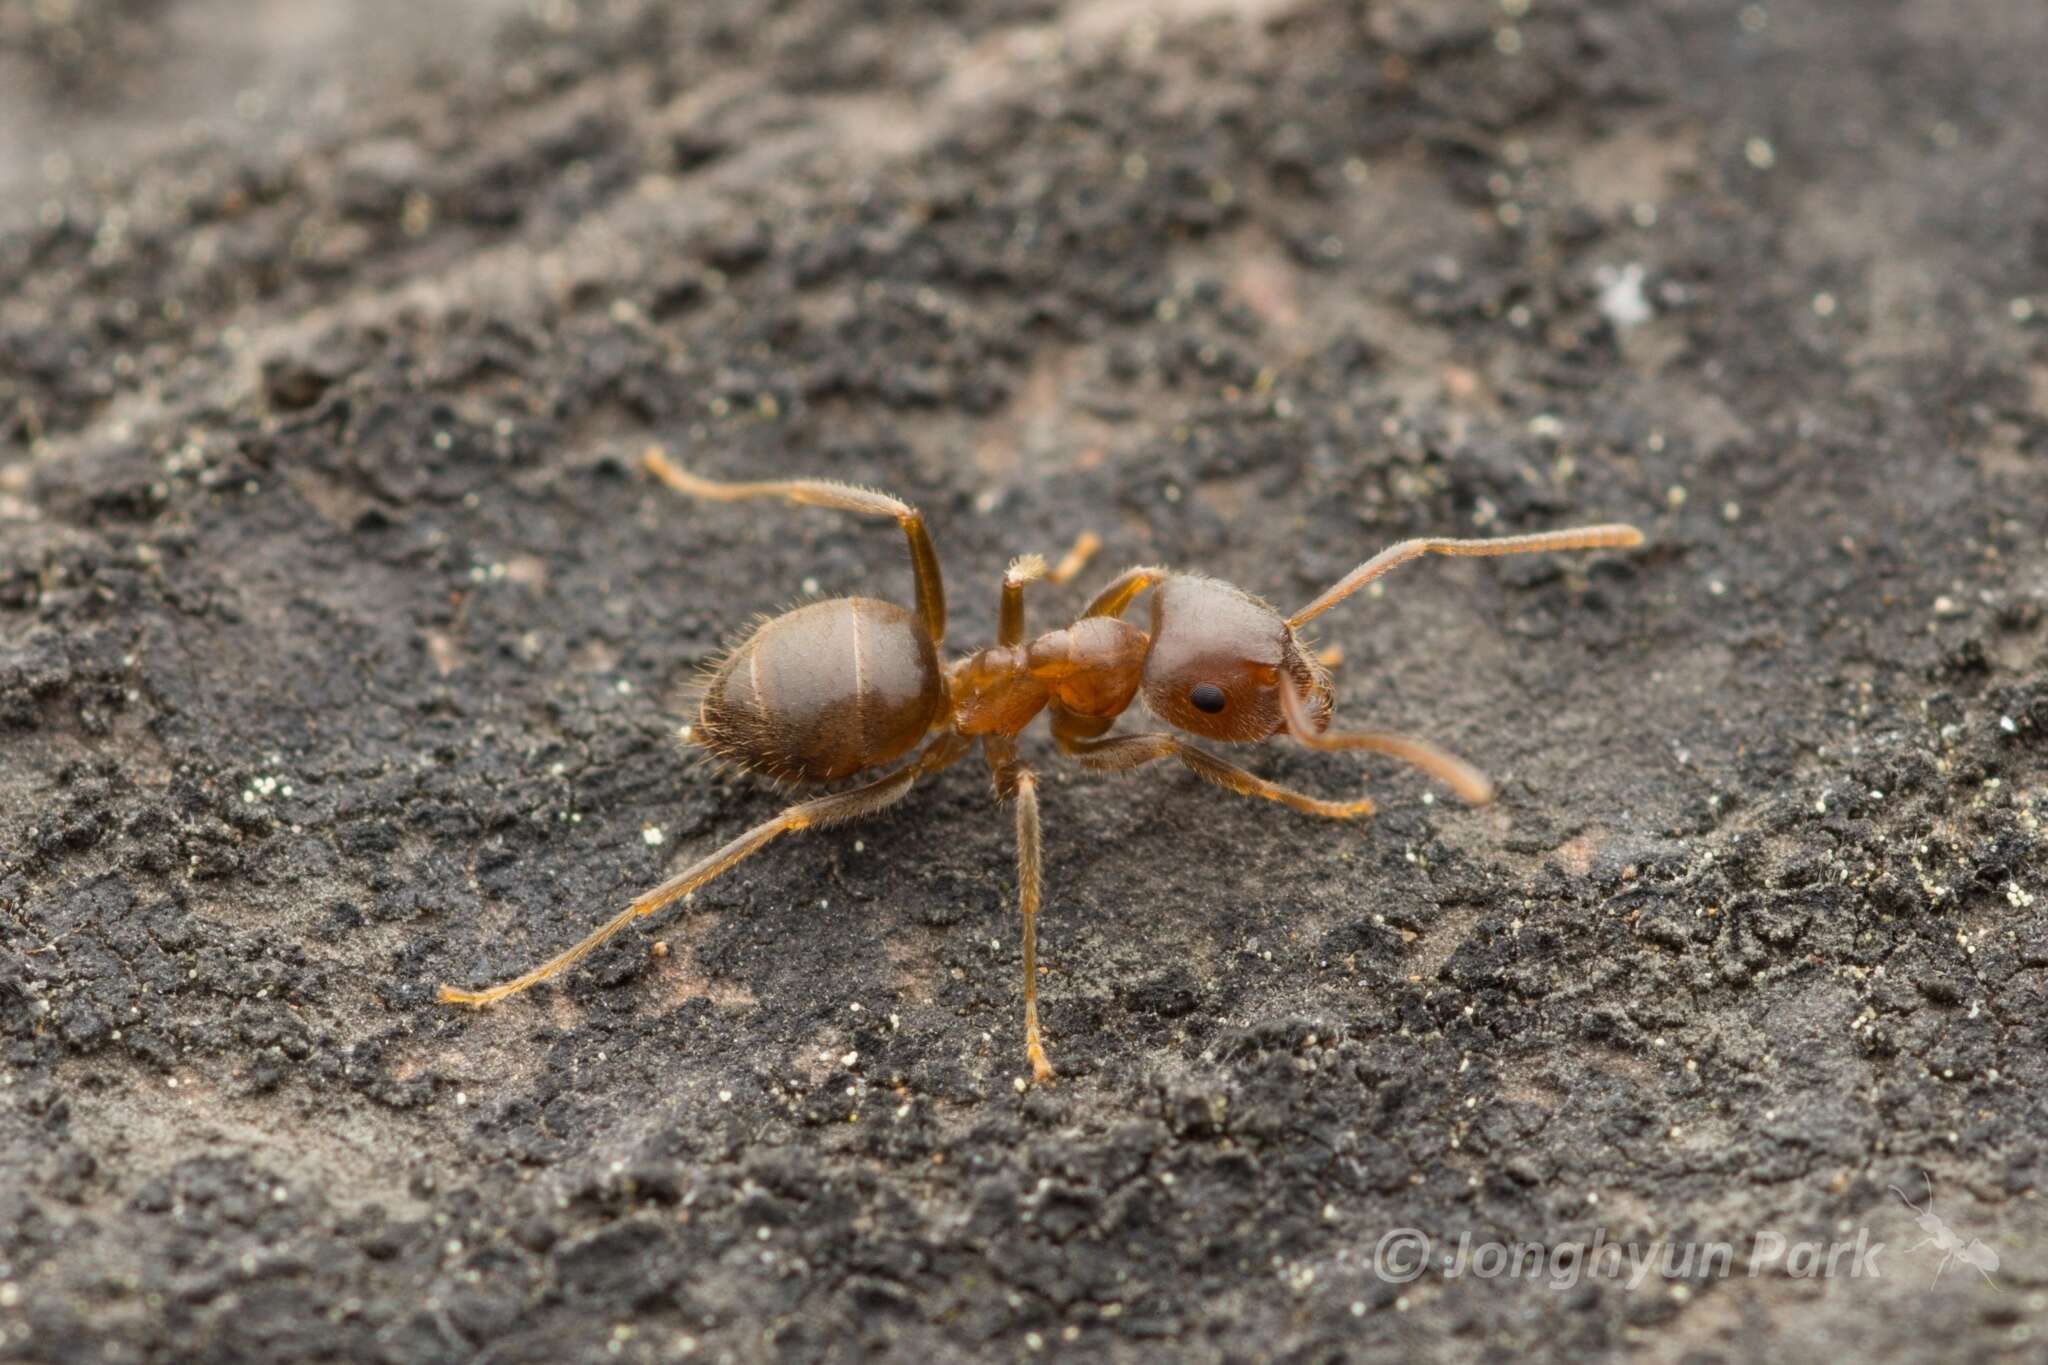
[{"x": 841, "y": 686}]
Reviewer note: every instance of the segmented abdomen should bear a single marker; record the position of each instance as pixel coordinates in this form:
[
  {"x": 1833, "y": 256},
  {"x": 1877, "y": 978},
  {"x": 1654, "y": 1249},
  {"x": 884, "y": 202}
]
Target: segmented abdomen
[{"x": 824, "y": 691}]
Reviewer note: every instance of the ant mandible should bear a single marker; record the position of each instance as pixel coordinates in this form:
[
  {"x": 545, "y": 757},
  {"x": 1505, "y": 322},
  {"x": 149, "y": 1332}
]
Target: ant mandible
[{"x": 841, "y": 686}]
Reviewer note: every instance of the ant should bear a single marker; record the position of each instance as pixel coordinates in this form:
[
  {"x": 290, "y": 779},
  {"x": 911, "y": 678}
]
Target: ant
[
  {"x": 1945, "y": 1239},
  {"x": 841, "y": 686}
]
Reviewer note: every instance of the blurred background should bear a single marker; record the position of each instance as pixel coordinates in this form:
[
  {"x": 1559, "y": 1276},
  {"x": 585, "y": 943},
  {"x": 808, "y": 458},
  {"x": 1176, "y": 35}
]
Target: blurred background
[{"x": 88, "y": 84}]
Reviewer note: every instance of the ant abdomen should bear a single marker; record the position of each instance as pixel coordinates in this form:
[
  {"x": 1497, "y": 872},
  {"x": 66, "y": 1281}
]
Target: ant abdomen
[{"x": 824, "y": 691}]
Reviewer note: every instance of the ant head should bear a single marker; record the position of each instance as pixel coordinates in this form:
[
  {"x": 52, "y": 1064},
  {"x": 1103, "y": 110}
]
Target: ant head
[{"x": 1218, "y": 659}]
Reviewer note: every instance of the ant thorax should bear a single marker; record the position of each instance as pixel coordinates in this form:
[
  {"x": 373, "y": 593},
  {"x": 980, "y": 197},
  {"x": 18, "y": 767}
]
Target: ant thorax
[
  {"x": 993, "y": 694},
  {"x": 1091, "y": 668}
]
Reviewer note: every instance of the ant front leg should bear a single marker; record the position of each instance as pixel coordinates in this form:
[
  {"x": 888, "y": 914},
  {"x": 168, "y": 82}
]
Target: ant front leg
[
  {"x": 1016, "y": 781},
  {"x": 1124, "y": 588},
  {"x": 1121, "y": 753}
]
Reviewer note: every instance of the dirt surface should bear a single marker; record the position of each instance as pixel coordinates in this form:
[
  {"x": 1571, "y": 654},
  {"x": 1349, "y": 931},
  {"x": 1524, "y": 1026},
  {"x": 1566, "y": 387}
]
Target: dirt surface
[{"x": 336, "y": 623}]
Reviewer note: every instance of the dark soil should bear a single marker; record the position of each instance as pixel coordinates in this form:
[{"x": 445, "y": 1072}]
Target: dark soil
[{"x": 336, "y": 623}]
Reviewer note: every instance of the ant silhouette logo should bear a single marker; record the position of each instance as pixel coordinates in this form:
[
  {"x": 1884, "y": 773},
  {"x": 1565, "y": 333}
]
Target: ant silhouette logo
[{"x": 1945, "y": 1239}]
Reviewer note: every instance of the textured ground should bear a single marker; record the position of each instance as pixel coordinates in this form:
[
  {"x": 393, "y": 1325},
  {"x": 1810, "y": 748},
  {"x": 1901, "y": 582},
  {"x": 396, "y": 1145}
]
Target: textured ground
[{"x": 336, "y": 622}]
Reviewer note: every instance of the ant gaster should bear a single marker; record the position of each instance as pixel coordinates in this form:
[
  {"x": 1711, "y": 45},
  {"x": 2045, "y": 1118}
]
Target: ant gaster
[{"x": 838, "y": 687}]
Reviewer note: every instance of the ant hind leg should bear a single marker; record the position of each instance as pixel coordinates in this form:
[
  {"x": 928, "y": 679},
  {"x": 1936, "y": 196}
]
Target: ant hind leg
[
  {"x": 841, "y": 497},
  {"x": 814, "y": 814}
]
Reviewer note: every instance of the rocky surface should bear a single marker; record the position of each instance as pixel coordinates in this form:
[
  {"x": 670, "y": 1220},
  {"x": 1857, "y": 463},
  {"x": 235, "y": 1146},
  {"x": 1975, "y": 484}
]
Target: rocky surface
[{"x": 336, "y": 623}]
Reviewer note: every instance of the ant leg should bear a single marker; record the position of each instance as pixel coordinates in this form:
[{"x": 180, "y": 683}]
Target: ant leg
[
  {"x": 1112, "y": 600},
  {"x": 1076, "y": 559},
  {"x": 1016, "y": 781},
  {"x": 1029, "y": 569},
  {"x": 1468, "y": 782},
  {"x": 814, "y": 814},
  {"x": 1577, "y": 538},
  {"x": 1010, "y": 619},
  {"x": 1121, "y": 753},
  {"x": 1029, "y": 890},
  {"x": 924, "y": 560}
]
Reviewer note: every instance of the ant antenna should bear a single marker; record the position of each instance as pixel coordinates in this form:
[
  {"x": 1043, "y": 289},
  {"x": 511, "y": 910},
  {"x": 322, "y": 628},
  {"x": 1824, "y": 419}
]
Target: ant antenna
[{"x": 1929, "y": 1182}]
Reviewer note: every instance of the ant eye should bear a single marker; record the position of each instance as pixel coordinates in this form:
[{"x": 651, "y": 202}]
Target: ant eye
[{"x": 1207, "y": 697}]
